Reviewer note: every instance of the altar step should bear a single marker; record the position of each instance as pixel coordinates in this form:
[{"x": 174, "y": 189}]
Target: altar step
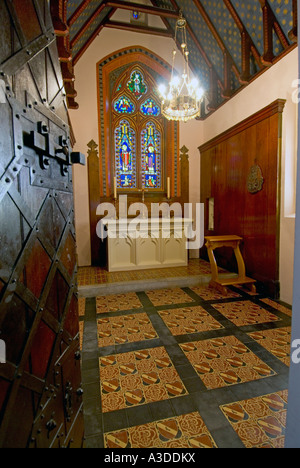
[{"x": 93, "y": 281}]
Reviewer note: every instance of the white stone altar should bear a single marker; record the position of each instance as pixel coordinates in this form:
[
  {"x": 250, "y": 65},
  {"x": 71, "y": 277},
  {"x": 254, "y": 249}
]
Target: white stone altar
[{"x": 139, "y": 244}]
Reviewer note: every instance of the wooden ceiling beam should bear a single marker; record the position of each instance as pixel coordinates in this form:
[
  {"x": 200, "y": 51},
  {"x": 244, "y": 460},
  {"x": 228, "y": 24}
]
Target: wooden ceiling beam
[
  {"x": 229, "y": 63},
  {"x": 148, "y": 9},
  {"x": 214, "y": 76},
  {"x": 165, "y": 20},
  {"x": 80, "y": 53},
  {"x": 268, "y": 56},
  {"x": 78, "y": 12},
  {"x": 293, "y": 34},
  {"x": 138, "y": 28},
  {"x": 271, "y": 24},
  {"x": 87, "y": 24},
  {"x": 247, "y": 45},
  {"x": 93, "y": 36},
  {"x": 58, "y": 10}
]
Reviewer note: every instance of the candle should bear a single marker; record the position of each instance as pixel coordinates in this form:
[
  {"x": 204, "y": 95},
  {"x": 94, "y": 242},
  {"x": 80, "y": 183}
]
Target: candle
[
  {"x": 115, "y": 188},
  {"x": 168, "y": 188}
]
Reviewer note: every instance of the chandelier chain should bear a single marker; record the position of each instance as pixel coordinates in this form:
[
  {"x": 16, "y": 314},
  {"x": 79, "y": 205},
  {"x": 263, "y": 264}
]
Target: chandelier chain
[{"x": 181, "y": 101}]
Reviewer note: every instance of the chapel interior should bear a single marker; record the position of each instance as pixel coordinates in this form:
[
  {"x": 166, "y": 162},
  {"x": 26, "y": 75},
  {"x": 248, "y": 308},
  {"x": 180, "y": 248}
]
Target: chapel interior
[{"x": 180, "y": 339}]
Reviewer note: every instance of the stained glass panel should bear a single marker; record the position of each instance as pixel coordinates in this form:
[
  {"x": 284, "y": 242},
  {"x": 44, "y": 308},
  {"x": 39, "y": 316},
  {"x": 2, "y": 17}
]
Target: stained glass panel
[
  {"x": 139, "y": 135},
  {"x": 137, "y": 85},
  {"x": 124, "y": 105},
  {"x": 150, "y": 107},
  {"x": 125, "y": 155},
  {"x": 151, "y": 156}
]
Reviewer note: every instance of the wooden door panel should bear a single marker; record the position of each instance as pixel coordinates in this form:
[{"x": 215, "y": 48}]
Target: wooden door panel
[
  {"x": 15, "y": 325},
  {"x": 48, "y": 427},
  {"x": 40, "y": 383},
  {"x": 24, "y": 408},
  {"x": 6, "y": 36},
  {"x": 24, "y": 9}
]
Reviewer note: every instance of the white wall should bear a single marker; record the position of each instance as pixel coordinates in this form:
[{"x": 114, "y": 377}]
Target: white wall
[{"x": 191, "y": 135}]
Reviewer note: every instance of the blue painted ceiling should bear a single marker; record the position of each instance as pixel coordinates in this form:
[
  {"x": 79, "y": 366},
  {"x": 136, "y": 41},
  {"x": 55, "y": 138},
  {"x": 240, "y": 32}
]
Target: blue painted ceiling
[{"x": 230, "y": 41}]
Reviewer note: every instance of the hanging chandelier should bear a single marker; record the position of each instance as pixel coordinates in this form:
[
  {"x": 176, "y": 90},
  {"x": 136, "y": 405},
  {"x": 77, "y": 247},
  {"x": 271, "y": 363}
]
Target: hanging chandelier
[{"x": 182, "y": 98}]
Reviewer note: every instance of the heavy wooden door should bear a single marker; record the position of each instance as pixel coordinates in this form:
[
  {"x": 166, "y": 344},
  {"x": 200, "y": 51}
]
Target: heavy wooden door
[{"x": 40, "y": 380}]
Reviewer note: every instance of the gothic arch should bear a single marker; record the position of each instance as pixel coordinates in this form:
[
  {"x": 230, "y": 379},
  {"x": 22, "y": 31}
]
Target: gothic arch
[{"x": 109, "y": 70}]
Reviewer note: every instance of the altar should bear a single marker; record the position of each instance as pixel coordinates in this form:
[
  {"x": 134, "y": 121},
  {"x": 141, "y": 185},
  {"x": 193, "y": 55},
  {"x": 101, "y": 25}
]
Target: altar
[{"x": 140, "y": 244}]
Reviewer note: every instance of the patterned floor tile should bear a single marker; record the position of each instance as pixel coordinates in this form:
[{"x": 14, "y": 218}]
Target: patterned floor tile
[
  {"x": 163, "y": 297},
  {"x": 225, "y": 361},
  {"x": 189, "y": 320},
  {"x": 277, "y": 342},
  {"x": 117, "y": 302},
  {"x": 187, "y": 431},
  {"x": 81, "y": 329},
  {"x": 212, "y": 294},
  {"x": 147, "y": 383},
  {"x": 259, "y": 422},
  {"x": 277, "y": 306},
  {"x": 246, "y": 290},
  {"x": 124, "y": 329},
  {"x": 81, "y": 306},
  {"x": 137, "y": 378},
  {"x": 243, "y": 313}
]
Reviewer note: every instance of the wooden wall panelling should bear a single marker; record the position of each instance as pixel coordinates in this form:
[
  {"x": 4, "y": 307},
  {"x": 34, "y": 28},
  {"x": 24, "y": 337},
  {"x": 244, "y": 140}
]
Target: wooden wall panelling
[
  {"x": 184, "y": 175},
  {"x": 226, "y": 162},
  {"x": 38, "y": 293},
  {"x": 98, "y": 254}
]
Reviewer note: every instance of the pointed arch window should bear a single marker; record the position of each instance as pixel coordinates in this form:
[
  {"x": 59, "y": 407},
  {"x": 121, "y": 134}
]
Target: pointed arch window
[
  {"x": 138, "y": 131},
  {"x": 151, "y": 156},
  {"x": 125, "y": 156}
]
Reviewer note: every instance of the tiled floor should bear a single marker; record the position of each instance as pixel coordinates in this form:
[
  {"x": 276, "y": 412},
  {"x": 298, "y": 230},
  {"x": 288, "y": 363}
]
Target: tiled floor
[{"x": 185, "y": 368}]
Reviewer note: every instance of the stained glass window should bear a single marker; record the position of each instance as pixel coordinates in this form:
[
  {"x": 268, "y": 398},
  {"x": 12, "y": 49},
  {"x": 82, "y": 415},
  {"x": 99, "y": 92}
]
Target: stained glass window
[
  {"x": 125, "y": 156},
  {"x": 136, "y": 84},
  {"x": 124, "y": 105},
  {"x": 151, "y": 156},
  {"x": 150, "y": 108},
  {"x": 137, "y": 131}
]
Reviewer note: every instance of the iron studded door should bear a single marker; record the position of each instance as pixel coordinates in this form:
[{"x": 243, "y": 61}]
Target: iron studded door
[{"x": 40, "y": 368}]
